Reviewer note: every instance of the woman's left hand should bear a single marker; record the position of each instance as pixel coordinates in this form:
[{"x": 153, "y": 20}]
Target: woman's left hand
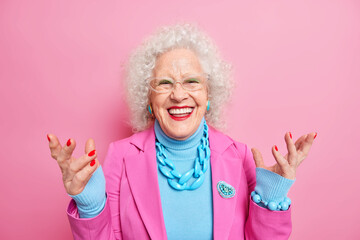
[{"x": 286, "y": 165}]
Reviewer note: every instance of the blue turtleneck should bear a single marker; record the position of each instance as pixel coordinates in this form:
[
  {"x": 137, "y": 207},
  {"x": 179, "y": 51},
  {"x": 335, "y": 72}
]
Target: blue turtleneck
[{"x": 187, "y": 214}]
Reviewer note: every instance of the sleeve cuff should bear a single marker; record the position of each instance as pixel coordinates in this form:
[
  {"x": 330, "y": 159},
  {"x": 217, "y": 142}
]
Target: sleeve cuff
[
  {"x": 271, "y": 186},
  {"x": 91, "y": 200},
  {"x": 98, "y": 227}
]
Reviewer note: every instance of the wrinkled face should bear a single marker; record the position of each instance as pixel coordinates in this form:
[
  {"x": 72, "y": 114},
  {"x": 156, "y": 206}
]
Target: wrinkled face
[{"x": 179, "y": 112}]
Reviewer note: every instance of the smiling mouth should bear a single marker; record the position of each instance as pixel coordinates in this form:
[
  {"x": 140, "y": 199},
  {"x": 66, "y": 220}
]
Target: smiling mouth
[{"x": 180, "y": 113}]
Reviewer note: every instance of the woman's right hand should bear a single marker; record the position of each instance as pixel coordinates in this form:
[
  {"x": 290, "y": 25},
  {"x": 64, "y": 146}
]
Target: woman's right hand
[{"x": 76, "y": 172}]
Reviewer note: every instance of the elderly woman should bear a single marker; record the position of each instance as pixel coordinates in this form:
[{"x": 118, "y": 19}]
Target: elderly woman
[{"x": 178, "y": 177}]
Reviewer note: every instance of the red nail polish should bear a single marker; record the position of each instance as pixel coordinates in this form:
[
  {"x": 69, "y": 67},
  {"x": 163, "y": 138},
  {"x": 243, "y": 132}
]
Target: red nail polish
[
  {"x": 68, "y": 143},
  {"x": 315, "y": 135},
  {"x": 91, "y": 153},
  {"x": 290, "y": 135},
  {"x": 92, "y": 163},
  {"x": 48, "y": 138},
  {"x": 276, "y": 148}
]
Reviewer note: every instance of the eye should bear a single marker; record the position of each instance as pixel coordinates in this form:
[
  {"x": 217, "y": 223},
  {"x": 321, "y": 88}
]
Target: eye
[
  {"x": 164, "y": 82},
  {"x": 192, "y": 80}
]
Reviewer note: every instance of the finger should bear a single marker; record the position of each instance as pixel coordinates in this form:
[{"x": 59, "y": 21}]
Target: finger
[
  {"x": 66, "y": 152},
  {"x": 283, "y": 163},
  {"x": 298, "y": 143},
  {"x": 305, "y": 147},
  {"x": 81, "y": 162},
  {"x": 259, "y": 162},
  {"x": 90, "y": 145},
  {"x": 54, "y": 145},
  {"x": 83, "y": 176},
  {"x": 292, "y": 156}
]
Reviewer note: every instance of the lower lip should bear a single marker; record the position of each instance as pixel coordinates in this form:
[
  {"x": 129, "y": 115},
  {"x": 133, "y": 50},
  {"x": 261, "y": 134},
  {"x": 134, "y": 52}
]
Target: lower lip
[{"x": 181, "y": 118}]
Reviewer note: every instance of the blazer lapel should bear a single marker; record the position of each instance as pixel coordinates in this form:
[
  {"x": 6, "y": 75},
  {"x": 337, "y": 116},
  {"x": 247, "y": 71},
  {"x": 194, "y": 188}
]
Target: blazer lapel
[
  {"x": 223, "y": 168},
  {"x": 141, "y": 169}
]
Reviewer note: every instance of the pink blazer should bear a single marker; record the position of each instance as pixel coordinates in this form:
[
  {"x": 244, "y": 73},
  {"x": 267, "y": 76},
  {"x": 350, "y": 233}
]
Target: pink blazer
[{"x": 133, "y": 206}]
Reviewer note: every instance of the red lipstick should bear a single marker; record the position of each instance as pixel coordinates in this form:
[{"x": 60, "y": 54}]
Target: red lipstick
[
  {"x": 179, "y": 107},
  {"x": 180, "y": 118}
]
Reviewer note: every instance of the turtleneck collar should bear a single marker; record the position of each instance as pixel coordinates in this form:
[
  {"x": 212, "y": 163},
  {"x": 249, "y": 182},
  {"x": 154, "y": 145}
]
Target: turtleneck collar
[{"x": 168, "y": 142}]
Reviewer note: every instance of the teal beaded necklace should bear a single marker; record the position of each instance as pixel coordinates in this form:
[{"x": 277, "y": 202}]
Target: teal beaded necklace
[{"x": 177, "y": 180}]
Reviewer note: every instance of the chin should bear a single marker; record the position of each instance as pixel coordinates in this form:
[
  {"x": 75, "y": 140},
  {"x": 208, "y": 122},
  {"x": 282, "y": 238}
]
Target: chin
[
  {"x": 180, "y": 129},
  {"x": 182, "y": 132}
]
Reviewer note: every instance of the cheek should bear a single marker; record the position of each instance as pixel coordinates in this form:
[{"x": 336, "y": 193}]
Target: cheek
[
  {"x": 157, "y": 104},
  {"x": 201, "y": 100}
]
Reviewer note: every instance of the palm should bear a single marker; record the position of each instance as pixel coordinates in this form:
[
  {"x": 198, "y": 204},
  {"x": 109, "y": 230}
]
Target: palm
[
  {"x": 286, "y": 165},
  {"x": 76, "y": 172}
]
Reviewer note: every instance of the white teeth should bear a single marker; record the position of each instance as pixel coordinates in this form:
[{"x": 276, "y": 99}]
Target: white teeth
[{"x": 180, "y": 110}]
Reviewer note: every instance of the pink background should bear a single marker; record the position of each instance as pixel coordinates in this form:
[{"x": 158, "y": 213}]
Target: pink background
[{"x": 297, "y": 68}]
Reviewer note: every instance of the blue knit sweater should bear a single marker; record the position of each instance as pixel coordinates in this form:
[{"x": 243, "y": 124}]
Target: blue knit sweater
[{"x": 187, "y": 214}]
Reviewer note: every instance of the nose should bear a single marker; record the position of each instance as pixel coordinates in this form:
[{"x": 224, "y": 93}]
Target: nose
[{"x": 178, "y": 93}]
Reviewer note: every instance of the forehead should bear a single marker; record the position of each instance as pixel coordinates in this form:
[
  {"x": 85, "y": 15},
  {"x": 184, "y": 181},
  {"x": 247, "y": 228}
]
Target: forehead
[{"x": 177, "y": 62}]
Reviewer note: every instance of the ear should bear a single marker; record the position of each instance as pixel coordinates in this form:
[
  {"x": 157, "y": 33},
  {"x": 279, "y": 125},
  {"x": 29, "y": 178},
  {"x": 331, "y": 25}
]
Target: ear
[{"x": 149, "y": 95}]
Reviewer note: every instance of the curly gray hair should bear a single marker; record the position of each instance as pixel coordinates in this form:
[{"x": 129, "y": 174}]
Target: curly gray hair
[{"x": 142, "y": 62}]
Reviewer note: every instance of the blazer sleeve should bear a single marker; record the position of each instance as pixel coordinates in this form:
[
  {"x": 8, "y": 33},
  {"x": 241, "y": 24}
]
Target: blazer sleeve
[
  {"x": 263, "y": 223},
  {"x": 106, "y": 225}
]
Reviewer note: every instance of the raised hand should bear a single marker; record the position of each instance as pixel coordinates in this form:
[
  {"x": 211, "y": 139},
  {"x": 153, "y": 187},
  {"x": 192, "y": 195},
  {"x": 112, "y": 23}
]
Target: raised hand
[
  {"x": 286, "y": 165},
  {"x": 76, "y": 172}
]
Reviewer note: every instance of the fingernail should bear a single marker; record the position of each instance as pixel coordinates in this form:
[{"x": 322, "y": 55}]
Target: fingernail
[
  {"x": 91, "y": 153},
  {"x": 276, "y": 148},
  {"x": 92, "y": 163},
  {"x": 68, "y": 143},
  {"x": 315, "y": 135},
  {"x": 290, "y": 135},
  {"x": 48, "y": 138}
]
